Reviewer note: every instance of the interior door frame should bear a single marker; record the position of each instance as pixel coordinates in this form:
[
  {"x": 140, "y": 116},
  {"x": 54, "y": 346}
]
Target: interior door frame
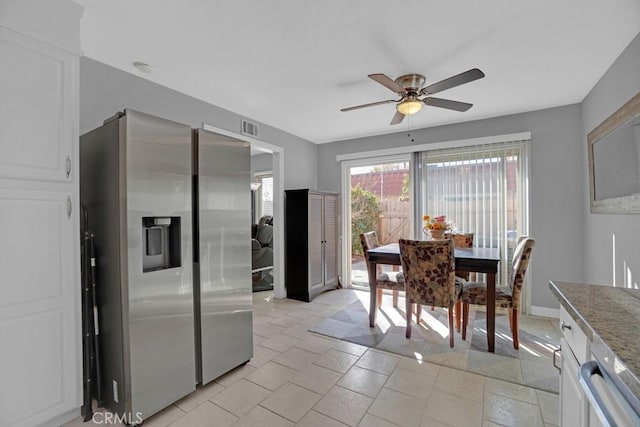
[
  {"x": 345, "y": 194},
  {"x": 277, "y": 168}
]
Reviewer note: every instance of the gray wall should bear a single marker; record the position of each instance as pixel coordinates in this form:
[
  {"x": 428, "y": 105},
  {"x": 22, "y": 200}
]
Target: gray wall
[
  {"x": 104, "y": 90},
  {"x": 261, "y": 163},
  {"x": 619, "y": 84},
  {"x": 556, "y": 187}
]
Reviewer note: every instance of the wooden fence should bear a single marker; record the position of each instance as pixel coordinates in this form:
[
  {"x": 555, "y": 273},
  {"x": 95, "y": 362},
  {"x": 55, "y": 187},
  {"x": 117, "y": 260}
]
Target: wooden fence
[{"x": 394, "y": 221}]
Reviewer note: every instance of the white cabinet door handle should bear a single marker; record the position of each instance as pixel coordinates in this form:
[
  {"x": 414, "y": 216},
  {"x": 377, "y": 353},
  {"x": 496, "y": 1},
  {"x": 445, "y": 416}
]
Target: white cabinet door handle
[
  {"x": 69, "y": 207},
  {"x": 555, "y": 353},
  {"x": 564, "y": 326},
  {"x": 68, "y": 166}
]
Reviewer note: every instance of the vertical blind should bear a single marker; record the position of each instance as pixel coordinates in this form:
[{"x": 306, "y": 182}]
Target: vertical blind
[{"x": 481, "y": 189}]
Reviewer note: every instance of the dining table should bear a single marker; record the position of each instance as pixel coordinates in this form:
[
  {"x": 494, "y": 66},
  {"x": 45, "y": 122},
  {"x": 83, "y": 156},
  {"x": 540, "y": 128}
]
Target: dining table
[{"x": 477, "y": 260}]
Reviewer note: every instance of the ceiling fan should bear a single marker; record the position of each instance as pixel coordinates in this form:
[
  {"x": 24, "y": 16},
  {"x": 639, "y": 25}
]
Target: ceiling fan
[{"x": 409, "y": 87}]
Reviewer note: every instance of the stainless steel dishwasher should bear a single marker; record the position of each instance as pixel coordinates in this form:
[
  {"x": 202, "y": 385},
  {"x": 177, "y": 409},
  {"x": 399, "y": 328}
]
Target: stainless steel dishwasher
[{"x": 611, "y": 403}]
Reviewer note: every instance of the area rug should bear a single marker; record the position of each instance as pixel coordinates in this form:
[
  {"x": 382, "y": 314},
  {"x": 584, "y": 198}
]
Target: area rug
[{"x": 531, "y": 365}]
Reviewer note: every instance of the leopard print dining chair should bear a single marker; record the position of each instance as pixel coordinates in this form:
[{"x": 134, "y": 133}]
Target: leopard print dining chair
[
  {"x": 506, "y": 296},
  {"x": 429, "y": 275}
]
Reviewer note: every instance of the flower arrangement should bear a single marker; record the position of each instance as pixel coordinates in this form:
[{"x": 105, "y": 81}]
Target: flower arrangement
[
  {"x": 434, "y": 228},
  {"x": 436, "y": 223}
]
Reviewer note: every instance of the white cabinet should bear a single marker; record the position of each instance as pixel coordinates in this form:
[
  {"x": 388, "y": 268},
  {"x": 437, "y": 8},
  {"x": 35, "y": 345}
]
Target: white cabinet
[
  {"x": 40, "y": 334},
  {"x": 36, "y": 108},
  {"x": 573, "y": 401},
  {"x": 39, "y": 315}
]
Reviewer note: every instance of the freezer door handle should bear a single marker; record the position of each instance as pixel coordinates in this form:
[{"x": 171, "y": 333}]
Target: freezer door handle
[{"x": 606, "y": 400}]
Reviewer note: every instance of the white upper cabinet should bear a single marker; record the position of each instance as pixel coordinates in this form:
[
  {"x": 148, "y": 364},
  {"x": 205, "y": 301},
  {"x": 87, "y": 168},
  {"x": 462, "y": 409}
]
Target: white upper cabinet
[{"x": 37, "y": 114}]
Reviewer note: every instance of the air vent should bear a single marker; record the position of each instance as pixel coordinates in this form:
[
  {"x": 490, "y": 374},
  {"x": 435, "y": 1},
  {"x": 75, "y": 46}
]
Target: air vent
[{"x": 249, "y": 128}]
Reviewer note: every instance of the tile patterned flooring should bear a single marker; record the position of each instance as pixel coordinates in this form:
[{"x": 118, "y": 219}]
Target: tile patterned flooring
[{"x": 302, "y": 379}]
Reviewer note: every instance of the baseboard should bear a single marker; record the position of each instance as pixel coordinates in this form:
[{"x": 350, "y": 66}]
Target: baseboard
[
  {"x": 545, "y": 312},
  {"x": 65, "y": 418}
]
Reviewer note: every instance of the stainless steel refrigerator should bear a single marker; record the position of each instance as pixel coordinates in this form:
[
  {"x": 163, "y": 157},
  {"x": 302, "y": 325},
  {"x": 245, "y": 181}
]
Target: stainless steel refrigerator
[{"x": 137, "y": 183}]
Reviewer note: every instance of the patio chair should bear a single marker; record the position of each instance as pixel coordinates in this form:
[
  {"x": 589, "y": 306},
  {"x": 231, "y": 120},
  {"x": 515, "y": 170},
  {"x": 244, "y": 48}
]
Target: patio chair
[
  {"x": 506, "y": 296},
  {"x": 393, "y": 281},
  {"x": 460, "y": 240},
  {"x": 429, "y": 276}
]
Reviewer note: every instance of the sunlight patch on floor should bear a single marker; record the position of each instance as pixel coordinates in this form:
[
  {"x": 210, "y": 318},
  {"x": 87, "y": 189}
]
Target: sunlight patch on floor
[
  {"x": 434, "y": 324},
  {"x": 529, "y": 350}
]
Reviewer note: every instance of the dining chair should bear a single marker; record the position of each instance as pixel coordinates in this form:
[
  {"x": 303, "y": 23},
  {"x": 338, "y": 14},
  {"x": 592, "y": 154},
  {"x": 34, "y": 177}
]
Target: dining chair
[
  {"x": 429, "y": 276},
  {"x": 507, "y": 296},
  {"x": 392, "y": 281},
  {"x": 460, "y": 240}
]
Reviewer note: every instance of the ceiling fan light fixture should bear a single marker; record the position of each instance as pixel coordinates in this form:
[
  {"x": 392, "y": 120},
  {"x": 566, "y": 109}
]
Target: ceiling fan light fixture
[
  {"x": 409, "y": 106},
  {"x": 409, "y": 88}
]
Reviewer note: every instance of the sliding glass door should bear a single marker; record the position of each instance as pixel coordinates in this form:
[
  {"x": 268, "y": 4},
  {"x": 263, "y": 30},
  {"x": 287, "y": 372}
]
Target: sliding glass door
[
  {"x": 378, "y": 198},
  {"x": 481, "y": 189}
]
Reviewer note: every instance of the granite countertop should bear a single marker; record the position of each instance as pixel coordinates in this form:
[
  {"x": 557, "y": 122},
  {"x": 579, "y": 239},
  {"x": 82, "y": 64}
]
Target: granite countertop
[{"x": 610, "y": 317}]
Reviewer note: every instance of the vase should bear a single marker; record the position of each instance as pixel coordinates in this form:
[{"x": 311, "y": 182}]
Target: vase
[
  {"x": 437, "y": 234},
  {"x": 427, "y": 235}
]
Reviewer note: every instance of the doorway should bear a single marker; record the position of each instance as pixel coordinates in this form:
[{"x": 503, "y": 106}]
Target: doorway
[
  {"x": 262, "y": 247},
  {"x": 377, "y": 196},
  {"x": 277, "y": 169}
]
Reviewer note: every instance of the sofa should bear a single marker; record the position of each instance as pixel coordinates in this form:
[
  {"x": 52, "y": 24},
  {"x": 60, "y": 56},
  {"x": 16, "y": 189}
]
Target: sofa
[{"x": 262, "y": 253}]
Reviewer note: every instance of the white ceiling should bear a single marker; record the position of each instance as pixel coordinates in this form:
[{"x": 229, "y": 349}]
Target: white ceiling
[{"x": 293, "y": 64}]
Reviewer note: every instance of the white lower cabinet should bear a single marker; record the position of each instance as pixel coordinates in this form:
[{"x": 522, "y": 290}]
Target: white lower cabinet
[
  {"x": 574, "y": 405},
  {"x": 573, "y": 402},
  {"x": 39, "y": 310}
]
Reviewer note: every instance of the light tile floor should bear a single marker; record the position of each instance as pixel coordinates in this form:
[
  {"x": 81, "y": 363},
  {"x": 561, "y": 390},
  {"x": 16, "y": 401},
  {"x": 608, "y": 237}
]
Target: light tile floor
[{"x": 302, "y": 379}]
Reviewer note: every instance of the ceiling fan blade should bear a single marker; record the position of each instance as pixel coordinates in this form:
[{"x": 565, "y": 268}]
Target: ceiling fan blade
[
  {"x": 447, "y": 103},
  {"x": 457, "y": 80},
  {"x": 371, "y": 104},
  {"x": 387, "y": 82},
  {"x": 397, "y": 118}
]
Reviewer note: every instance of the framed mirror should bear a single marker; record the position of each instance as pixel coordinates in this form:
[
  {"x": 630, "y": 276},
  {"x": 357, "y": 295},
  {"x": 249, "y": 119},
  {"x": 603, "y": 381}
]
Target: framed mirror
[{"x": 614, "y": 161}]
